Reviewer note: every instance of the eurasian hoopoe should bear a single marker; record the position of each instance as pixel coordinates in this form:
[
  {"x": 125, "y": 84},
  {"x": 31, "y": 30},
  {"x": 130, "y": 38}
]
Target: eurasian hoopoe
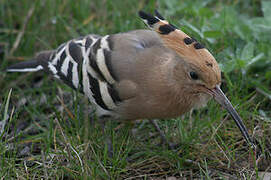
[{"x": 157, "y": 73}]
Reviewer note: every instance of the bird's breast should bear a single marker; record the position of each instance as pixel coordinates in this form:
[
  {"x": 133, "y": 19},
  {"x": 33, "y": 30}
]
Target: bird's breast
[{"x": 156, "y": 105}]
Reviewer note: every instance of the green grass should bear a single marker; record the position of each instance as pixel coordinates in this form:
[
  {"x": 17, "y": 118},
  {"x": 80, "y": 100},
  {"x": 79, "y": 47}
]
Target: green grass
[{"x": 48, "y": 130}]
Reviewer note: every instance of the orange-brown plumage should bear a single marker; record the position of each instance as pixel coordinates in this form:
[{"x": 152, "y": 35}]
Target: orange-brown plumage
[
  {"x": 201, "y": 58},
  {"x": 198, "y": 62}
]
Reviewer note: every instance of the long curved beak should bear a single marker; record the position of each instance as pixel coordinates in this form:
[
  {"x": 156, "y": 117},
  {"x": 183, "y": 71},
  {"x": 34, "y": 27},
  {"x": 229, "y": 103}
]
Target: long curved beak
[{"x": 220, "y": 97}]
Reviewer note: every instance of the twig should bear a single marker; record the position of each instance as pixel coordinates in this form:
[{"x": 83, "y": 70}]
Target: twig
[
  {"x": 68, "y": 145},
  {"x": 21, "y": 33},
  {"x": 216, "y": 129},
  {"x": 9, "y": 31},
  {"x": 44, "y": 165},
  {"x": 65, "y": 139},
  {"x": 79, "y": 158},
  {"x": 66, "y": 109},
  {"x": 26, "y": 169},
  {"x": 55, "y": 138},
  {"x": 100, "y": 163},
  {"x": 6, "y": 116}
]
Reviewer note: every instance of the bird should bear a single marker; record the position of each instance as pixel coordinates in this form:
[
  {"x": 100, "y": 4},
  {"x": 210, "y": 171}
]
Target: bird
[{"x": 154, "y": 73}]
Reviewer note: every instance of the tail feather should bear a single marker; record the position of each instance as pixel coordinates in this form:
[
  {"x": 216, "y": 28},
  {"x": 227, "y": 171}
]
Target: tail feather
[{"x": 26, "y": 66}]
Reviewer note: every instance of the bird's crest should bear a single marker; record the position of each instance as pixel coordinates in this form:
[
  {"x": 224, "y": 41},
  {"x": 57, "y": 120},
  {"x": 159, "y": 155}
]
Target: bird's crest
[{"x": 178, "y": 41}]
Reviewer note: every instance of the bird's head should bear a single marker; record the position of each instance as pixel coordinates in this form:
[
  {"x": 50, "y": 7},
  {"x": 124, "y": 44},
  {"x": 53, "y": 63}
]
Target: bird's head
[{"x": 198, "y": 68}]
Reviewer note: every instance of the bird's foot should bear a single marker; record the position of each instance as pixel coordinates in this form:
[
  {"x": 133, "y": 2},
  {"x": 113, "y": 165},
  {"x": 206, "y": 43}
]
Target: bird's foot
[{"x": 164, "y": 140}]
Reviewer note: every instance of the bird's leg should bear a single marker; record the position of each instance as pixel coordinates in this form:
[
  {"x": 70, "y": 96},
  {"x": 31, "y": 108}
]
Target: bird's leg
[
  {"x": 162, "y": 134},
  {"x": 108, "y": 141}
]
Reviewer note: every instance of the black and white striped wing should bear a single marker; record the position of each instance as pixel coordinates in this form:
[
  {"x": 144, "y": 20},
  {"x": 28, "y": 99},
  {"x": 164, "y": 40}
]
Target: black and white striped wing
[{"x": 85, "y": 64}]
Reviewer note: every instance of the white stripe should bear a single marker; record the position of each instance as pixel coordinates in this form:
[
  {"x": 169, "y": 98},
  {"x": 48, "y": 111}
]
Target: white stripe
[
  {"x": 86, "y": 87},
  {"x": 56, "y": 76},
  {"x": 75, "y": 79},
  {"x": 85, "y": 79},
  {"x": 93, "y": 42},
  {"x": 39, "y": 67},
  {"x": 102, "y": 66},
  {"x": 78, "y": 41},
  {"x": 93, "y": 38},
  {"x": 57, "y": 56},
  {"x": 104, "y": 43},
  {"x": 52, "y": 68},
  {"x": 65, "y": 66},
  {"x": 89, "y": 69},
  {"x": 158, "y": 18},
  {"x": 146, "y": 22},
  {"x": 107, "y": 99},
  {"x": 84, "y": 44}
]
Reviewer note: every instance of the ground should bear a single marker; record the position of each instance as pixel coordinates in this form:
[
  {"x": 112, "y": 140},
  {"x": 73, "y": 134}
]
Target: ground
[{"x": 48, "y": 130}]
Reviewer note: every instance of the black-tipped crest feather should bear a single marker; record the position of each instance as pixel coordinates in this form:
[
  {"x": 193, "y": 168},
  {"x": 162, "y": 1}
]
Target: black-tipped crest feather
[
  {"x": 150, "y": 19},
  {"x": 157, "y": 14}
]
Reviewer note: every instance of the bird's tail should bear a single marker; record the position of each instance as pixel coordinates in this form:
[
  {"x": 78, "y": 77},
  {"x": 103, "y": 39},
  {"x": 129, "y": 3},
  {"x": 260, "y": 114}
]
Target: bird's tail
[
  {"x": 26, "y": 66},
  {"x": 39, "y": 62}
]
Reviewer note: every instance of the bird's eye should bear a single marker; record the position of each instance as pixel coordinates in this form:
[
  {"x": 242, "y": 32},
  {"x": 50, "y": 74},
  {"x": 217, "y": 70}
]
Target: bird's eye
[{"x": 194, "y": 75}]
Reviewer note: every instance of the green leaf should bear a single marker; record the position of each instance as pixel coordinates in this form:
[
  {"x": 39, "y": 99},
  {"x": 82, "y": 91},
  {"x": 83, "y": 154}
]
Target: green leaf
[
  {"x": 248, "y": 51},
  {"x": 212, "y": 34},
  {"x": 266, "y": 8},
  {"x": 241, "y": 63},
  {"x": 228, "y": 66},
  {"x": 206, "y": 12},
  {"x": 193, "y": 28},
  {"x": 255, "y": 59},
  {"x": 268, "y": 75}
]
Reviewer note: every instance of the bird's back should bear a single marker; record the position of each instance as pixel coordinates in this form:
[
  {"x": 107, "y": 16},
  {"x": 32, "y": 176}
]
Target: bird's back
[{"x": 107, "y": 69}]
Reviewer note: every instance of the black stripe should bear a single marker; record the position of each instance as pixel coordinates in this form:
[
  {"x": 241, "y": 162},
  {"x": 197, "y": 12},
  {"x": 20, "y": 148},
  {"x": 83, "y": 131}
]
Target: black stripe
[
  {"x": 166, "y": 29},
  {"x": 63, "y": 56},
  {"x": 108, "y": 63},
  {"x": 110, "y": 42},
  {"x": 58, "y": 66},
  {"x": 95, "y": 89},
  {"x": 188, "y": 40},
  {"x": 93, "y": 64},
  {"x": 174, "y": 26},
  {"x": 114, "y": 94},
  {"x": 88, "y": 43},
  {"x": 53, "y": 55},
  {"x": 69, "y": 75},
  {"x": 158, "y": 15},
  {"x": 66, "y": 79},
  {"x": 96, "y": 46},
  {"x": 61, "y": 47},
  {"x": 150, "y": 18},
  {"x": 45, "y": 63},
  {"x": 60, "y": 62},
  {"x": 197, "y": 45},
  {"x": 75, "y": 52},
  {"x": 80, "y": 77}
]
